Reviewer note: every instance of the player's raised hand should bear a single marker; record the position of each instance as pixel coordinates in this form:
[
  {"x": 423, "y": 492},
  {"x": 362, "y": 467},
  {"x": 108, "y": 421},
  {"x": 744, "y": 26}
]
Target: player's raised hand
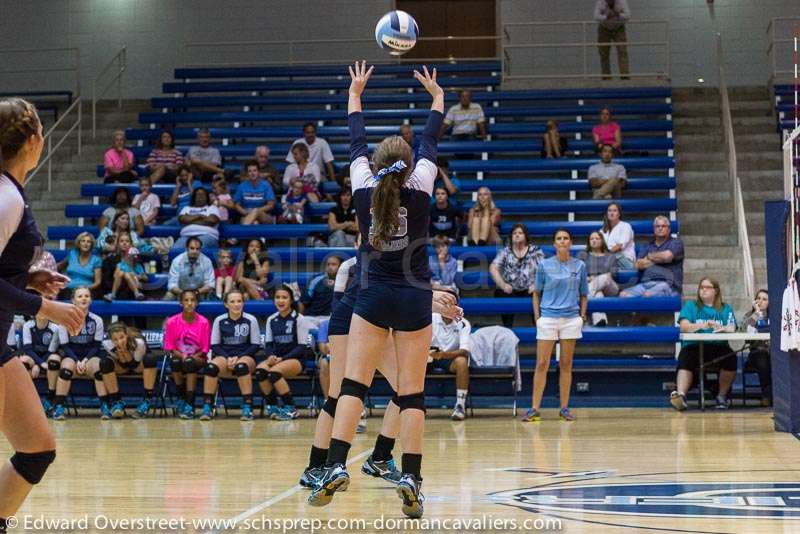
[
  {"x": 359, "y": 75},
  {"x": 428, "y": 81}
]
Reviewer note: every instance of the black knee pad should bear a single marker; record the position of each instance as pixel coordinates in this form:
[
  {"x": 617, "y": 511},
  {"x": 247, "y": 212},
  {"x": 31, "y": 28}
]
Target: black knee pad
[
  {"x": 176, "y": 364},
  {"x": 260, "y": 375},
  {"x": 330, "y": 406},
  {"x": 149, "y": 361},
  {"x": 211, "y": 370},
  {"x": 273, "y": 377},
  {"x": 241, "y": 369},
  {"x": 98, "y": 376},
  {"x": 353, "y": 389},
  {"x": 106, "y": 366},
  {"x": 53, "y": 365},
  {"x": 190, "y": 366},
  {"x": 65, "y": 374},
  {"x": 415, "y": 401},
  {"x": 32, "y": 466}
]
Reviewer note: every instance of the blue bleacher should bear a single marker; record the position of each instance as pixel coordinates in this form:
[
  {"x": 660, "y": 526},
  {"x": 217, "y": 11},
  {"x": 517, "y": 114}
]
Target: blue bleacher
[
  {"x": 330, "y": 132},
  {"x": 582, "y": 164},
  {"x": 206, "y": 117}
]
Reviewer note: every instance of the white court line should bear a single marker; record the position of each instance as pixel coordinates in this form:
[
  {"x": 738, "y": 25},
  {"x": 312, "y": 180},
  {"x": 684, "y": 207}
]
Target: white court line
[{"x": 285, "y": 495}]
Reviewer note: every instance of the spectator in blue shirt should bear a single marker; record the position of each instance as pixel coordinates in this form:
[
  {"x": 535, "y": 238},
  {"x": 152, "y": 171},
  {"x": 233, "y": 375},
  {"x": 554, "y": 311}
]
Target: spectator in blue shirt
[
  {"x": 191, "y": 270},
  {"x": 82, "y": 265},
  {"x": 254, "y": 198},
  {"x": 707, "y": 314},
  {"x": 443, "y": 266},
  {"x": 661, "y": 263},
  {"x": 560, "y": 294}
]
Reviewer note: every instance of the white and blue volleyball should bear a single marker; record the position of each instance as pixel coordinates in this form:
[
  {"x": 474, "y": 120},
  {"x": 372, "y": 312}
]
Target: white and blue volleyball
[{"x": 397, "y": 31}]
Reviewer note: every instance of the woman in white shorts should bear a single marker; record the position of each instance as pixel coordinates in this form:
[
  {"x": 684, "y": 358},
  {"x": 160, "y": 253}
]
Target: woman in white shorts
[{"x": 560, "y": 292}]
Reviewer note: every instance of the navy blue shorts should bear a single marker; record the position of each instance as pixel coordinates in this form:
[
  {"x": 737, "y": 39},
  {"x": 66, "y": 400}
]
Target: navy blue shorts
[
  {"x": 400, "y": 307},
  {"x": 339, "y": 323},
  {"x": 441, "y": 364}
]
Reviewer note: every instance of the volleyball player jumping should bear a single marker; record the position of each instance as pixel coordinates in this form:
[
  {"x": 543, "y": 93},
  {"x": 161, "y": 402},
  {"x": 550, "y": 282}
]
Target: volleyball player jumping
[{"x": 394, "y": 301}]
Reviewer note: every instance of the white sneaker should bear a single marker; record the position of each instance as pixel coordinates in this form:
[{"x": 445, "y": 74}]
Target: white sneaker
[{"x": 458, "y": 413}]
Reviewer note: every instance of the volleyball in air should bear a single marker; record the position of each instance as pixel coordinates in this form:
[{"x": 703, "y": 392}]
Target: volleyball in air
[{"x": 397, "y": 31}]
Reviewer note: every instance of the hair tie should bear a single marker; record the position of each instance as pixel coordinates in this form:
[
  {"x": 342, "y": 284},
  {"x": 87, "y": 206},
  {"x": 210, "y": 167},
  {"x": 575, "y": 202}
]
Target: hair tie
[{"x": 397, "y": 166}]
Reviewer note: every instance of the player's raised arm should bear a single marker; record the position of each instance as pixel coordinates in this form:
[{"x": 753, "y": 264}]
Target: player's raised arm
[
  {"x": 359, "y": 75},
  {"x": 428, "y": 81}
]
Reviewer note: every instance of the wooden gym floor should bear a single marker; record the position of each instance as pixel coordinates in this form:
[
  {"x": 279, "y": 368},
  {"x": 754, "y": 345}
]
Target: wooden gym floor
[{"x": 613, "y": 470}]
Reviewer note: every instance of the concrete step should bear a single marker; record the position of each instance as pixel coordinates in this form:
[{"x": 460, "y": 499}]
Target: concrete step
[{"x": 717, "y": 206}]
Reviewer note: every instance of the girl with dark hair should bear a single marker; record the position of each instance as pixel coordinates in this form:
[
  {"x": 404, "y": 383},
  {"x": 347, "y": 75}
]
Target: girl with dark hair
[
  {"x": 559, "y": 311},
  {"x": 342, "y": 221},
  {"x": 445, "y": 216},
  {"x": 618, "y": 236},
  {"x": 758, "y": 359},
  {"x": 392, "y": 209},
  {"x": 601, "y": 266},
  {"x": 164, "y": 159},
  {"x": 285, "y": 355},
  {"x": 22, "y": 420},
  {"x": 252, "y": 270},
  {"x": 121, "y": 201},
  {"x": 514, "y": 268}
]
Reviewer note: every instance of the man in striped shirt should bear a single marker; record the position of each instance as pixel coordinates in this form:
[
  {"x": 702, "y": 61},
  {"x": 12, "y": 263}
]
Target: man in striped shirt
[{"x": 466, "y": 118}]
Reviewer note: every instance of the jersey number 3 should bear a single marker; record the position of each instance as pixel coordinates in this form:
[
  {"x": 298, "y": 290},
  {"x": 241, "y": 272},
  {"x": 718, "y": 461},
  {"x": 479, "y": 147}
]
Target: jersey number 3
[{"x": 402, "y": 227}]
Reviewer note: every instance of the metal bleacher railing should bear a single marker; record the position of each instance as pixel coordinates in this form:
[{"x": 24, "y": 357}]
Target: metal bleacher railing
[
  {"x": 782, "y": 35},
  {"x": 558, "y": 50},
  {"x": 121, "y": 62}
]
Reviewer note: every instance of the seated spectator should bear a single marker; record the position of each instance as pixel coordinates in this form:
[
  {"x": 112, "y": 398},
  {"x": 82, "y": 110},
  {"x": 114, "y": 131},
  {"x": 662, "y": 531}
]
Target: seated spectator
[
  {"x": 342, "y": 221},
  {"x": 319, "y": 151},
  {"x": 607, "y": 179},
  {"x": 554, "y": 145},
  {"x": 108, "y": 238},
  {"x": 204, "y": 159},
  {"x": 315, "y": 302},
  {"x": 190, "y": 270},
  {"x": 514, "y": 268},
  {"x": 199, "y": 219},
  {"x": 252, "y": 270},
  {"x": 123, "y": 244},
  {"x": 601, "y": 266},
  {"x": 466, "y": 119},
  {"x": 185, "y": 184},
  {"x": 121, "y": 201},
  {"x": 407, "y": 133},
  {"x": 307, "y": 171},
  {"x": 286, "y": 355},
  {"x": 662, "y": 264},
  {"x": 450, "y": 348},
  {"x": 222, "y": 199},
  {"x": 484, "y": 220},
  {"x": 224, "y": 273},
  {"x": 607, "y": 132},
  {"x": 187, "y": 340},
  {"x": 706, "y": 314},
  {"x": 254, "y": 197},
  {"x": 146, "y": 201},
  {"x": 293, "y": 207},
  {"x": 446, "y": 218},
  {"x": 164, "y": 159},
  {"x": 82, "y": 265},
  {"x": 452, "y": 185},
  {"x": 443, "y": 266},
  {"x": 758, "y": 358},
  {"x": 118, "y": 161},
  {"x": 80, "y": 355},
  {"x": 129, "y": 271},
  {"x": 235, "y": 340},
  {"x": 268, "y": 172},
  {"x": 618, "y": 236}
]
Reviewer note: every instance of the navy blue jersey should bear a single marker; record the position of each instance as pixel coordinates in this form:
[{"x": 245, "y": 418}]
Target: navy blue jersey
[
  {"x": 88, "y": 342},
  {"x": 39, "y": 343},
  {"x": 235, "y": 337},
  {"x": 280, "y": 336},
  {"x": 20, "y": 246},
  {"x": 318, "y": 296},
  {"x": 404, "y": 259}
]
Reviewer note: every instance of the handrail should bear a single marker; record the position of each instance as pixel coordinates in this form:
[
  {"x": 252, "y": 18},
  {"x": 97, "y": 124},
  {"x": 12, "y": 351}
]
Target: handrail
[
  {"x": 291, "y": 52},
  {"x": 48, "y": 139},
  {"x": 121, "y": 60},
  {"x": 57, "y": 65},
  {"x": 585, "y": 45},
  {"x": 739, "y": 214}
]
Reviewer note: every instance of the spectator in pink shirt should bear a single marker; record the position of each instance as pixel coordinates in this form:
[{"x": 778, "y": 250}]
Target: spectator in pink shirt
[
  {"x": 607, "y": 132},
  {"x": 187, "y": 339},
  {"x": 119, "y": 163}
]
